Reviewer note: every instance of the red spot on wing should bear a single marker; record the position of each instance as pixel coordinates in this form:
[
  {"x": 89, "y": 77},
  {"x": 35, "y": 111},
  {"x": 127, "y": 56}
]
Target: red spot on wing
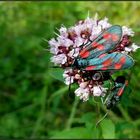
[
  {"x": 84, "y": 53},
  {"x": 102, "y": 55},
  {"x": 107, "y": 36},
  {"x": 117, "y": 66},
  {"x": 104, "y": 68},
  {"x": 90, "y": 67},
  {"x": 100, "y": 47},
  {"x": 115, "y": 37},
  {"x": 122, "y": 60},
  {"x": 94, "y": 44},
  {"x": 107, "y": 62}
]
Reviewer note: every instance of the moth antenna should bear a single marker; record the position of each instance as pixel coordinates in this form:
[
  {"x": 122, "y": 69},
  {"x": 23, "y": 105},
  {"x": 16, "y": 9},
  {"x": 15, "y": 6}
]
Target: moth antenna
[{"x": 102, "y": 119}]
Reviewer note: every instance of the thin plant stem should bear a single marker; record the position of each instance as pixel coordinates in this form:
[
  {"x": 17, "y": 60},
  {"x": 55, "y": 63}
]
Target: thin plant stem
[
  {"x": 124, "y": 113},
  {"x": 42, "y": 107},
  {"x": 57, "y": 93},
  {"x": 73, "y": 111}
]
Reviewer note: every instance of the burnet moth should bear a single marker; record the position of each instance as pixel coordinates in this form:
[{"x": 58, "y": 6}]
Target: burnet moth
[{"x": 98, "y": 56}]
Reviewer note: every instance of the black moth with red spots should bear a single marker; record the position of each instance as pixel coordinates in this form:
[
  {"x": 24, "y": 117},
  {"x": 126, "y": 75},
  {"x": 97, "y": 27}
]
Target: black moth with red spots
[{"x": 102, "y": 56}]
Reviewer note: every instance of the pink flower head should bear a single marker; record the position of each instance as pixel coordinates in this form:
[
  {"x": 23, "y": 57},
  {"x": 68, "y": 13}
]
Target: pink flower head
[{"x": 66, "y": 47}]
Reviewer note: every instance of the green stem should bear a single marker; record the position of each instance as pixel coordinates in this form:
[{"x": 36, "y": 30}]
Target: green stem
[
  {"x": 29, "y": 106},
  {"x": 42, "y": 108},
  {"x": 98, "y": 111},
  {"x": 136, "y": 122},
  {"x": 124, "y": 113},
  {"x": 73, "y": 111},
  {"x": 57, "y": 93},
  {"x": 41, "y": 114},
  {"x": 111, "y": 114}
]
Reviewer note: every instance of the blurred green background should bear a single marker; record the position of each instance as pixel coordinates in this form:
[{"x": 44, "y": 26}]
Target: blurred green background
[{"x": 33, "y": 103}]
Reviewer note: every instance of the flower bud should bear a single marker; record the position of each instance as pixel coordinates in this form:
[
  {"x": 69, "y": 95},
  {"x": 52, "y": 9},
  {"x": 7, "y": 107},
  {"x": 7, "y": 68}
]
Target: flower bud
[
  {"x": 77, "y": 76},
  {"x": 83, "y": 84}
]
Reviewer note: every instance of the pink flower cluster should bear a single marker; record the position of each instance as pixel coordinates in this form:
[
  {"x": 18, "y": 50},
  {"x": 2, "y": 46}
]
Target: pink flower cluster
[{"x": 67, "y": 45}]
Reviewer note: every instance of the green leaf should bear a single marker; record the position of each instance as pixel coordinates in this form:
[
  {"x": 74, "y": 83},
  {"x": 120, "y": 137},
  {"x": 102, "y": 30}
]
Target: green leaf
[
  {"x": 107, "y": 84},
  {"x": 108, "y": 129},
  {"x": 76, "y": 133},
  {"x": 87, "y": 117},
  {"x": 57, "y": 73},
  {"x": 122, "y": 130}
]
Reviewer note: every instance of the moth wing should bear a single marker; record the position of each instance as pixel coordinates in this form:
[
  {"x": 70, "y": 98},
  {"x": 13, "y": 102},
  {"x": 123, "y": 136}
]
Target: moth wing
[
  {"x": 112, "y": 61},
  {"x": 105, "y": 42}
]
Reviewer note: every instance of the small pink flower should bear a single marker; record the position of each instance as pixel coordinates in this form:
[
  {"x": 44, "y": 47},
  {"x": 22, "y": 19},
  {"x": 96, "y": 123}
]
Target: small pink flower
[
  {"x": 69, "y": 79},
  {"x": 63, "y": 41},
  {"x": 63, "y": 32},
  {"x": 82, "y": 93},
  {"x": 127, "y": 31},
  {"x": 74, "y": 52},
  {"x": 104, "y": 23},
  {"x": 99, "y": 90},
  {"x": 96, "y": 30},
  {"x": 59, "y": 59},
  {"x": 53, "y": 43},
  {"x": 78, "y": 29},
  {"x": 128, "y": 49},
  {"x": 134, "y": 47},
  {"x": 79, "y": 41},
  {"x": 54, "y": 50},
  {"x": 83, "y": 84}
]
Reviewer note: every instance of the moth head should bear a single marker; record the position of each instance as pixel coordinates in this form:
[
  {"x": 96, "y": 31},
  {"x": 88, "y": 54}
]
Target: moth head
[
  {"x": 120, "y": 79},
  {"x": 96, "y": 76}
]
